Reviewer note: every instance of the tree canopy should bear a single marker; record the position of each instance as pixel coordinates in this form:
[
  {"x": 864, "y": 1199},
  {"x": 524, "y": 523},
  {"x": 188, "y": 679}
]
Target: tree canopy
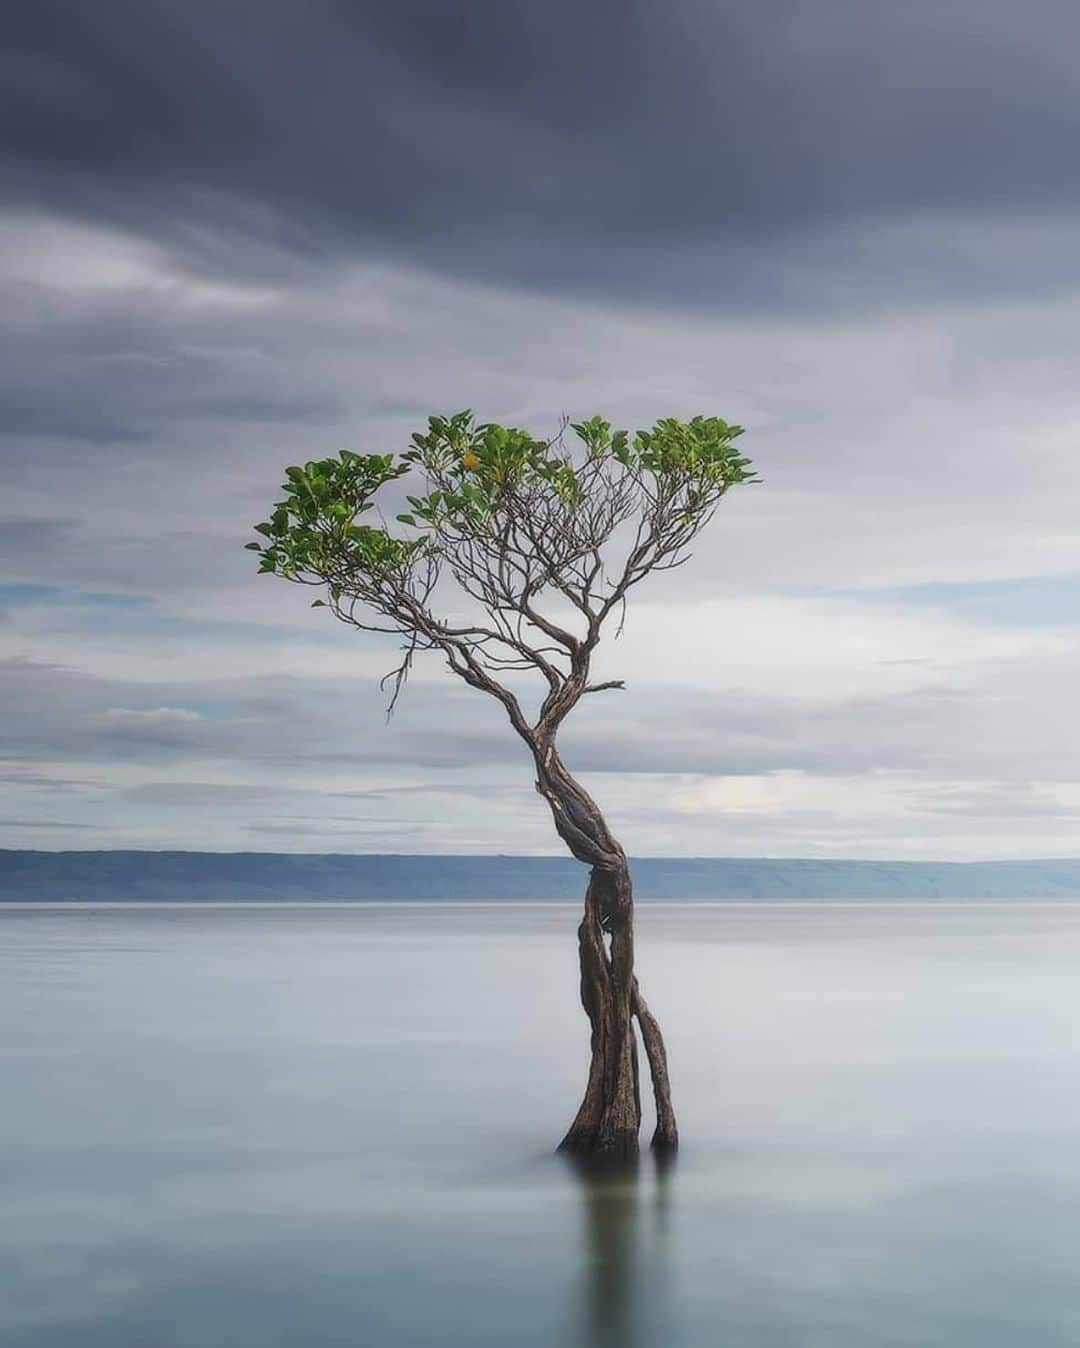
[{"x": 545, "y": 537}]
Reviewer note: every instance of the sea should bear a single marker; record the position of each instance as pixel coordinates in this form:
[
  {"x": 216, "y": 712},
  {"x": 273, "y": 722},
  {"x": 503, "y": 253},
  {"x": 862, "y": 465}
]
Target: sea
[{"x": 303, "y": 1125}]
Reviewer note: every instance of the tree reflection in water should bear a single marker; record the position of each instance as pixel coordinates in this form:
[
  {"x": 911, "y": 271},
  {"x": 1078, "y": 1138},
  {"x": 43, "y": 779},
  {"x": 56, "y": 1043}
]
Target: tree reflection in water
[{"x": 625, "y": 1227}]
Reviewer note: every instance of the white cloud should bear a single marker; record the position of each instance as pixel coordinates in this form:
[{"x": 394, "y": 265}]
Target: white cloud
[
  {"x": 151, "y": 716},
  {"x": 84, "y": 263}
]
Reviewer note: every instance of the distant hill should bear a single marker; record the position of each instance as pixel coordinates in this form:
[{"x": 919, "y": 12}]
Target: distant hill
[{"x": 206, "y": 876}]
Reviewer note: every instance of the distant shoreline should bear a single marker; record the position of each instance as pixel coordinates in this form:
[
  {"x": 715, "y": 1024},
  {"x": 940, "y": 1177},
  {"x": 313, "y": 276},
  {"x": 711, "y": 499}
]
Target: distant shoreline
[
  {"x": 749, "y": 905},
  {"x": 83, "y": 878}
]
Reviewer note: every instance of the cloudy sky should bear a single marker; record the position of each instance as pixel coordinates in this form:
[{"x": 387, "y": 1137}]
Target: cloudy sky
[{"x": 237, "y": 234}]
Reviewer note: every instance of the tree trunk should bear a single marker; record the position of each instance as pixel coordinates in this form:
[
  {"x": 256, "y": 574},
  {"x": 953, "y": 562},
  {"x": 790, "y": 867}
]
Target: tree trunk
[
  {"x": 610, "y": 1115},
  {"x": 607, "y": 1124}
]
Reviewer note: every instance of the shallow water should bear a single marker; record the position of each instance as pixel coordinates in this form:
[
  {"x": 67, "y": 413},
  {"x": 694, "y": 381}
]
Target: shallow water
[{"x": 326, "y": 1125}]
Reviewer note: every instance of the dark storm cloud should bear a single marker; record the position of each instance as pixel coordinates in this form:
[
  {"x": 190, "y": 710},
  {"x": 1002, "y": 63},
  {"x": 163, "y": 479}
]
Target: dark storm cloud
[{"x": 620, "y": 145}]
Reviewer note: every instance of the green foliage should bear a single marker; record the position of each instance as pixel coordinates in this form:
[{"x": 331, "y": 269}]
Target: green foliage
[
  {"x": 702, "y": 449},
  {"x": 315, "y": 529},
  {"x": 478, "y": 466},
  {"x": 477, "y": 476}
]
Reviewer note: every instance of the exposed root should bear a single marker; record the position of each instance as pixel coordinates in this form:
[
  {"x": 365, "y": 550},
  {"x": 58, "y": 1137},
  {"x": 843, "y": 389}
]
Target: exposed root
[
  {"x": 666, "y": 1136},
  {"x": 607, "y": 1123}
]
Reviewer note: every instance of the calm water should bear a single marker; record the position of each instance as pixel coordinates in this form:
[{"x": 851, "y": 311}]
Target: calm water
[{"x": 332, "y": 1125}]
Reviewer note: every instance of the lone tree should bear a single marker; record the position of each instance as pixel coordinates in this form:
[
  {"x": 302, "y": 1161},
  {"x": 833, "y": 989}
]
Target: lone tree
[{"x": 546, "y": 539}]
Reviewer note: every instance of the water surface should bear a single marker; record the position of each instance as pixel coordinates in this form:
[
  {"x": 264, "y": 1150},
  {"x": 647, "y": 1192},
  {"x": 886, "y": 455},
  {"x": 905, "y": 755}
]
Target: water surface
[{"x": 323, "y": 1125}]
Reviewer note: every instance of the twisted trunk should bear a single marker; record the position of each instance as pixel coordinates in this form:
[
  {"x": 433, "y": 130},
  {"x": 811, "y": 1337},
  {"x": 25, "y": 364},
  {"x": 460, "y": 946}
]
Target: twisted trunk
[{"x": 607, "y": 1123}]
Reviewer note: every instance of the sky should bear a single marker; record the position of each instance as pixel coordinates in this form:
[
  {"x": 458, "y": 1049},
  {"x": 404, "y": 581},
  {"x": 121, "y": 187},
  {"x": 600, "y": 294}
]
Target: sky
[{"x": 236, "y": 235}]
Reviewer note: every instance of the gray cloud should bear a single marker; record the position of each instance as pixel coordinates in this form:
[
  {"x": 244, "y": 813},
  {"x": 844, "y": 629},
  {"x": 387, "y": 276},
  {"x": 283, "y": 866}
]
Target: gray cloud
[
  {"x": 564, "y": 145},
  {"x": 28, "y": 778},
  {"x": 114, "y": 376},
  {"x": 51, "y": 824},
  {"x": 266, "y": 727}
]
